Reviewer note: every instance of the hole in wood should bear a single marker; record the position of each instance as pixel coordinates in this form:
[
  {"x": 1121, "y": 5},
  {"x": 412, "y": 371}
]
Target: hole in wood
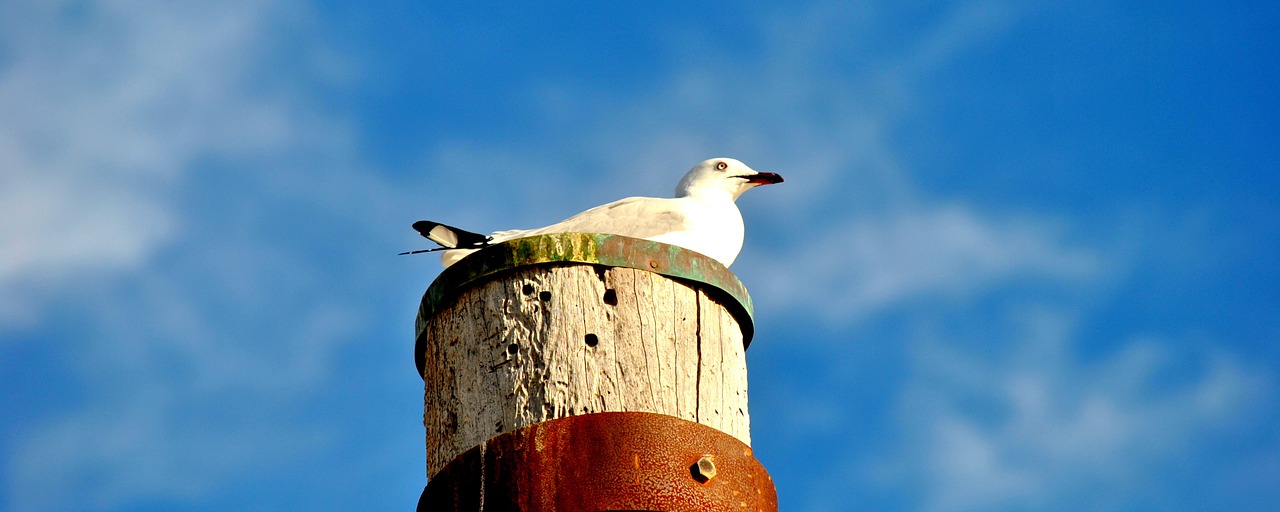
[
  {"x": 611, "y": 297},
  {"x": 513, "y": 349},
  {"x": 592, "y": 340},
  {"x": 528, "y": 289},
  {"x": 544, "y": 296}
]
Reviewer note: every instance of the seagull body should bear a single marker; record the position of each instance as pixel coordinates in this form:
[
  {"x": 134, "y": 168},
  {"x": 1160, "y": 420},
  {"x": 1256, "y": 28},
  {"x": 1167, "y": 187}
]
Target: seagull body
[{"x": 701, "y": 217}]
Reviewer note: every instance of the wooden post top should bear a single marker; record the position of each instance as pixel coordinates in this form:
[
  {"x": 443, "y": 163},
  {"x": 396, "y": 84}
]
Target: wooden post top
[{"x": 588, "y": 249}]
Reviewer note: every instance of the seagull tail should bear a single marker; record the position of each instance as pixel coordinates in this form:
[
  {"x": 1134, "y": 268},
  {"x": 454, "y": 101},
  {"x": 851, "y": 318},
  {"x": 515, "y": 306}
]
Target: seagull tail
[
  {"x": 448, "y": 237},
  {"x": 452, "y": 256}
]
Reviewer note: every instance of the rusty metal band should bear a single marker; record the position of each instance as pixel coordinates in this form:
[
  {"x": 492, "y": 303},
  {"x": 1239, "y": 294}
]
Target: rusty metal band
[
  {"x": 591, "y": 249},
  {"x": 604, "y": 461}
]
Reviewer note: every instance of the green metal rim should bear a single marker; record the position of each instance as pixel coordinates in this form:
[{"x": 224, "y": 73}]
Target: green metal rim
[{"x": 589, "y": 249}]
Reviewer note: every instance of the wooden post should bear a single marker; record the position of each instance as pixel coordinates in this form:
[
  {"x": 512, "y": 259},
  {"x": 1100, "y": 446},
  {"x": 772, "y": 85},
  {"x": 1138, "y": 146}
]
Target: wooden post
[{"x": 560, "y": 326}]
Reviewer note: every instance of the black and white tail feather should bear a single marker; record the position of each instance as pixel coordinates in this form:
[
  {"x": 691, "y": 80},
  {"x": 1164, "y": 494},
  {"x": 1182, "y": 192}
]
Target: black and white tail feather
[{"x": 448, "y": 237}]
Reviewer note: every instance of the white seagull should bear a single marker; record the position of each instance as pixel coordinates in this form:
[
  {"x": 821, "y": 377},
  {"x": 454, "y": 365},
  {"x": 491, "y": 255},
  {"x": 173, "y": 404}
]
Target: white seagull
[{"x": 701, "y": 217}]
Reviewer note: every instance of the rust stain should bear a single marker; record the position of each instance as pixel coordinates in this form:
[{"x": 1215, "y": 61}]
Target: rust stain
[{"x": 586, "y": 468}]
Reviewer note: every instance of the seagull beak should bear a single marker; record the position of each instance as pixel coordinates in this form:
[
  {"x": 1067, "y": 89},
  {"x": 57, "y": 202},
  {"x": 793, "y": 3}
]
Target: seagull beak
[{"x": 762, "y": 178}]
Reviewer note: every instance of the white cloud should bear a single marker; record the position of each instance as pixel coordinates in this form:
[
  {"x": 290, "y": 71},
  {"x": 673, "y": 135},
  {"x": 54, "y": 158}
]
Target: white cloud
[
  {"x": 1039, "y": 427},
  {"x": 55, "y": 228},
  {"x": 208, "y": 327},
  {"x": 857, "y": 267},
  {"x": 196, "y": 379},
  {"x": 104, "y": 107},
  {"x": 153, "y": 443}
]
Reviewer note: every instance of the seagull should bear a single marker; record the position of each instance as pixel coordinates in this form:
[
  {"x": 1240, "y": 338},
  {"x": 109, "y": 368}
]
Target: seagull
[{"x": 702, "y": 216}]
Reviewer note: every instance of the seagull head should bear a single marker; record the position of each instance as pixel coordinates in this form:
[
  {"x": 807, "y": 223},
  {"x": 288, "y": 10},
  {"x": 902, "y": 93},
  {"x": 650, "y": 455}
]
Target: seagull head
[{"x": 723, "y": 176}]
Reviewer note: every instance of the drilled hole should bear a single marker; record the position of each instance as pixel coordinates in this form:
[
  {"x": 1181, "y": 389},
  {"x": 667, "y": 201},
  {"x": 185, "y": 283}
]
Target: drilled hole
[
  {"x": 528, "y": 289},
  {"x": 592, "y": 340},
  {"x": 544, "y": 296},
  {"x": 513, "y": 349},
  {"x": 611, "y": 297}
]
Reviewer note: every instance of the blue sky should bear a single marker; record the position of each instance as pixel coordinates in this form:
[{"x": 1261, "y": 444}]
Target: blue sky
[{"x": 1024, "y": 258}]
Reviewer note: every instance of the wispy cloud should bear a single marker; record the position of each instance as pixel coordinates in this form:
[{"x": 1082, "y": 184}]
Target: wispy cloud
[
  {"x": 104, "y": 108},
  {"x": 119, "y": 123},
  {"x": 150, "y": 443},
  {"x": 860, "y": 266},
  {"x": 1040, "y": 428}
]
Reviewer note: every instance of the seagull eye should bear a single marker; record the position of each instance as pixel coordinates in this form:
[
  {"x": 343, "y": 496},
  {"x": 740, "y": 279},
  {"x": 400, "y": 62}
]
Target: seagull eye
[{"x": 720, "y": 166}]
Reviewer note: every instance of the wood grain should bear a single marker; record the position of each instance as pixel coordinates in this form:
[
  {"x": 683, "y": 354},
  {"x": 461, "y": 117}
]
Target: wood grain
[{"x": 549, "y": 341}]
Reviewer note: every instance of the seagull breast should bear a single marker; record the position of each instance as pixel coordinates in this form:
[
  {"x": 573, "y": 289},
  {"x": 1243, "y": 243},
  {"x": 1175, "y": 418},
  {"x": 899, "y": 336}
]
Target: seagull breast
[{"x": 711, "y": 226}]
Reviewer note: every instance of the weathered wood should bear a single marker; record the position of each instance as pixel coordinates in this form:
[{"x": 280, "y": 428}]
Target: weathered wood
[{"x": 548, "y": 341}]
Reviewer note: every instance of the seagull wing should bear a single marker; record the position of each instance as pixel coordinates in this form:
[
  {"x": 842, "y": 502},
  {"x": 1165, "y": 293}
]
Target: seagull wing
[{"x": 638, "y": 217}]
